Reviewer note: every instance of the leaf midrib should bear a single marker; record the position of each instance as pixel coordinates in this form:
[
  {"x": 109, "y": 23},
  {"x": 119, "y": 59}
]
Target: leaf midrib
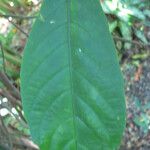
[{"x": 68, "y": 3}]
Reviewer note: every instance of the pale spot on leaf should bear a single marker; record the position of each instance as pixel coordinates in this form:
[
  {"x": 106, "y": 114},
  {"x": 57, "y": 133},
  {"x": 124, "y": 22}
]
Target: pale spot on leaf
[{"x": 52, "y": 21}]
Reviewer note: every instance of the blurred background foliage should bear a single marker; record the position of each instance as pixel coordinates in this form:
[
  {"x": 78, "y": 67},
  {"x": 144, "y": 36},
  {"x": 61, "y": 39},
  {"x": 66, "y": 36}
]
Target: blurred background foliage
[{"x": 129, "y": 24}]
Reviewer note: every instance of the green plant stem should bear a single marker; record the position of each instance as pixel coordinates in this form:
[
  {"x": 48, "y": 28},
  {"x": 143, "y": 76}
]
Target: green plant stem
[{"x": 3, "y": 56}]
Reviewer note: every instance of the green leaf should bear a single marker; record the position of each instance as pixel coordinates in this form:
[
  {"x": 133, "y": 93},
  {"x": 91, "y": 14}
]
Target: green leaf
[
  {"x": 141, "y": 36},
  {"x": 112, "y": 26},
  {"x": 126, "y": 33},
  {"x": 71, "y": 85},
  {"x": 147, "y": 13},
  {"x": 136, "y": 13}
]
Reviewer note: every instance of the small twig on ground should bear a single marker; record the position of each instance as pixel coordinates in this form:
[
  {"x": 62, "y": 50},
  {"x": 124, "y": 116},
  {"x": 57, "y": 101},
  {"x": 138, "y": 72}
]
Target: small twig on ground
[
  {"x": 24, "y": 142},
  {"x": 5, "y": 80},
  {"x": 29, "y": 143},
  {"x": 19, "y": 28},
  {"x": 17, "y": 16},
  {"x": 140, "y": 44},
  {"x": 12, "y": 100}
]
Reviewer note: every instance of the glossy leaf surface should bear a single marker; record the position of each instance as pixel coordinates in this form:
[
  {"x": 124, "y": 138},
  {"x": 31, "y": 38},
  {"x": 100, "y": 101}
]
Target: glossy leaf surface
[{"x": 71, "y": 84}]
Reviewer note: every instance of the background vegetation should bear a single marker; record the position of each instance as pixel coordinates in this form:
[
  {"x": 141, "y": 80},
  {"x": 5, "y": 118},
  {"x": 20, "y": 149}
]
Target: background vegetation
[{"x": 129, "y": 22}]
